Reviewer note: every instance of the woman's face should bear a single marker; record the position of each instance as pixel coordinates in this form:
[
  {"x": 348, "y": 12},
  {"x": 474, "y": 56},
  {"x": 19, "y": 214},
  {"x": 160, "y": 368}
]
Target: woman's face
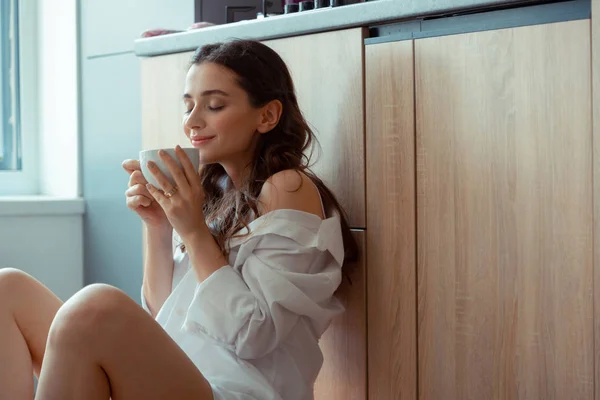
[{"x": 219, "y": 121}]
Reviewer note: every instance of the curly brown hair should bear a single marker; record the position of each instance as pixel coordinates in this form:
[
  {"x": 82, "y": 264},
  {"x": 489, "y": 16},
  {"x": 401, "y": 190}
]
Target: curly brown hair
[{"x": 265, "y": 77}]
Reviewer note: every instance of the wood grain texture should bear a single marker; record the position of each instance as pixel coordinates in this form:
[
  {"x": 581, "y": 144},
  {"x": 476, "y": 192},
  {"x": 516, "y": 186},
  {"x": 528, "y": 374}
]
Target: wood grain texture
[
  {"x": 504, "y": 214},
  {"x": 595, "y": 21},
  {"x": 163, "y": 80},
  {"x": 391, "y": 251},
  {"x": 327, "y": 69},
  {"x": 344, "y": 372}
]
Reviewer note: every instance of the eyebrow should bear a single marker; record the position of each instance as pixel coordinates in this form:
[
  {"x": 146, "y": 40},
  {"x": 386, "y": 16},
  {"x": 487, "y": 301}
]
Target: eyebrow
[{"x": 207, "y": 93}]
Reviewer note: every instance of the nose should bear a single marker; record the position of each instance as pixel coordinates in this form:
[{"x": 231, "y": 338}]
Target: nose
[{"x": 194, "y": 121}]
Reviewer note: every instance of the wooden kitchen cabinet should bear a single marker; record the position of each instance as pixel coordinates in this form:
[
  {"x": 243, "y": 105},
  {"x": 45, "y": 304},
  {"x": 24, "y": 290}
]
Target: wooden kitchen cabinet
[
  {"x": 485, "y": 167},
  {"x": 163, "y": 81},
  {"x": 391, "y": 251},
  {"x": 504, "y": 214},
  {"x": 343, "y": 375},
  {"x": 327, "y": 69}
]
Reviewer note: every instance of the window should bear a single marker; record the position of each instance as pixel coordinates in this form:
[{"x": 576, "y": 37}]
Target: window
[
  {"x": 10, "y": 135},
  {"x": 19, "y": 169}
]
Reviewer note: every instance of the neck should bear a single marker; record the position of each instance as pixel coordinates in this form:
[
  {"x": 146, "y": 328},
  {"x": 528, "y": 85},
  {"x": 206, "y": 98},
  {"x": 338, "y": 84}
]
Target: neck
[{"x": 237, "y": 172}]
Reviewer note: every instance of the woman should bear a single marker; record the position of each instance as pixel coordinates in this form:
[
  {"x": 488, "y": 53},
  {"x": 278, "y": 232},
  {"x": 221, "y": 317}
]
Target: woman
[{"x": 242, "y": 261}]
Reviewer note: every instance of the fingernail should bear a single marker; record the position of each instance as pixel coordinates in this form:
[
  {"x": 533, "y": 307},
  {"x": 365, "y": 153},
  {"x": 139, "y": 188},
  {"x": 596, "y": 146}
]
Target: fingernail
[
  {"x": 151, "y": 164},
  {"x": 161, "y": 152},
  {"x": 178, "y": 147},
  {"x": 148, "y": 186}
]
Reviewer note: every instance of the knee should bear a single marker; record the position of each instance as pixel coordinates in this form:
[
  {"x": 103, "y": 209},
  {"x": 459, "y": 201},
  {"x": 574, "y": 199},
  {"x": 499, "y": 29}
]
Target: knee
[
  {"x": 94, "y": 311},
  {"x": 12, "y": 282}
]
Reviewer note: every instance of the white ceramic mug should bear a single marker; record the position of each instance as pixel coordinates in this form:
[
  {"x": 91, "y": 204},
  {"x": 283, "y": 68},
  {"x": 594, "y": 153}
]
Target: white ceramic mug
[{"x": 152, "y": 155}]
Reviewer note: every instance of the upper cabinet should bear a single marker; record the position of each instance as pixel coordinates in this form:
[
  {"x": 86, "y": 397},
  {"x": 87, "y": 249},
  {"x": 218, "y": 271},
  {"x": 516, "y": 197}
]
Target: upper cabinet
[
  {"x": 327, "y": 69},
  {"x": 504, "y": 211}
]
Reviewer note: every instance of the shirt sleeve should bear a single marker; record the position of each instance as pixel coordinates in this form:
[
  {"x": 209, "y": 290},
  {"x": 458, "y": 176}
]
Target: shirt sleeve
[
  {"x": 144, "y": 304},
  {"x": 251, "y": 309}
]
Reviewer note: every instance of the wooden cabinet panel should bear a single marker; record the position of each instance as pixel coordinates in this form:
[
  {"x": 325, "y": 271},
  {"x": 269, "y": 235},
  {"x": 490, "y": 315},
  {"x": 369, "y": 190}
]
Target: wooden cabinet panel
[
  {"x": 344, "y": 372},
  {"x": 504, "y": 214},
  {"x": 391, "y": 248},
  {"x": 163, "y": 81},
  {"x": 596, "y": 182},
  {"x": 327, "y": 69}
]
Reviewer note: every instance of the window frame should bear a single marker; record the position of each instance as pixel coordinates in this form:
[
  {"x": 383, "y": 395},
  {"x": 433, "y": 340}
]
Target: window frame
[{"x": 26, "y": 180}]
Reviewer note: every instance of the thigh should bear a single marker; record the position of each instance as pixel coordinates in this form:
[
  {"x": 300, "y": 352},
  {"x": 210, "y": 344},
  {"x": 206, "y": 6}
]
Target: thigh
[
  {"x": 139, "y": 357},
  {"x": 33, "y": 307}
]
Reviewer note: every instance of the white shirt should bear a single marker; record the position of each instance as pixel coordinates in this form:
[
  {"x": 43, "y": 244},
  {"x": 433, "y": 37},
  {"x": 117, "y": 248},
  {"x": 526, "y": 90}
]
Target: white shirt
[{"x": 252, "y": 327}]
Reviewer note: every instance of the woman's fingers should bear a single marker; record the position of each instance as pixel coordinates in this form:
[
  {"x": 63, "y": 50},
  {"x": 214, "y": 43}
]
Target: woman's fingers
[
  {"x": 163, "y": 182},
  {"x": 137, "y": 196},
  {"x": 131, "y": 165},
  {"x": 137, "y": 178},
  {"x": 134, "y": 202},
  {"x": 157, "y": 195},
  {"x": 188, "y": 167},
  {"x": 138, "y": 190},
  {"x": 176, "y": 171}
]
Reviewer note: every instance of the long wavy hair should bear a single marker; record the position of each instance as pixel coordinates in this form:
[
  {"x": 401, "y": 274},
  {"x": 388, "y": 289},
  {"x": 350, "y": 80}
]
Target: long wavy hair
[{"x": 265, "y": 77}]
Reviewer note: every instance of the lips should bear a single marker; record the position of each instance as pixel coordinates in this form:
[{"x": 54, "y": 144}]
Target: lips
[{"x": 196, "y": 141}]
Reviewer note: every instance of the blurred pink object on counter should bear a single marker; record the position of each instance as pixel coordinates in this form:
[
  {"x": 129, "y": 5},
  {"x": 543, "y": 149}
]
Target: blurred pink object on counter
[
  {"x": 162, "y": 31},
  {"x": 157, "y": 32},
  {"x": 198, "y": 25}
]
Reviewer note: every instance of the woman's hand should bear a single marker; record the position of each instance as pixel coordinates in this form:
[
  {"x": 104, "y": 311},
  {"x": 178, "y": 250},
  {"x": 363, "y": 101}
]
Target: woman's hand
[
  {"x": 183, "y": 203},
  {"x": 139, "y": 199}
]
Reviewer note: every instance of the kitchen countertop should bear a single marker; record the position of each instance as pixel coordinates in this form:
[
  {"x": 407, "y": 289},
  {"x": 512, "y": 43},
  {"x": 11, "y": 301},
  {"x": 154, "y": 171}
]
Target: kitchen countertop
[{"x": 320, "y": 20}]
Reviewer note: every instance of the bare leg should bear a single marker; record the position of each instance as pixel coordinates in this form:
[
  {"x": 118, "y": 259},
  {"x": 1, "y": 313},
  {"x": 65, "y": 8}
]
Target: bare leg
[
  {"x": 103, "y": 344},
  {"x": 27, "y": 309}
]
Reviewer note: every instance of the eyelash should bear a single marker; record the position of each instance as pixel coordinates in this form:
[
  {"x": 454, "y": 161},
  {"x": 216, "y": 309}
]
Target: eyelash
[{"x": 213, "y": 109}]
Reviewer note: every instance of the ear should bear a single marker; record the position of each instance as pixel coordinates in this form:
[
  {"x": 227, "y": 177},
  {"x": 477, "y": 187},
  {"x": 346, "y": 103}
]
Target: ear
[{"x": 270, "y": 115}]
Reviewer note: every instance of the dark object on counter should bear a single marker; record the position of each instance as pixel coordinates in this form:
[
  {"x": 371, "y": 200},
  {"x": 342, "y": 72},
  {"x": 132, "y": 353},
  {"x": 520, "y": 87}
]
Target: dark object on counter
[
  {"x": 231, "y": 10},
  {"x": 322, "y": 3},
  {"x": 307, "y": 5},
  {"x": 291, "y": 8},
  {"x": 215, "y": 11}
]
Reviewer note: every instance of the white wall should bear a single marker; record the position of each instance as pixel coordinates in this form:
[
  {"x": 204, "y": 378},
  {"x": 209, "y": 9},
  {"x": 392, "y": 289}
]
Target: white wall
[
  {"x": 111, "y": 130},
  {"x": 44, "y": 237}
]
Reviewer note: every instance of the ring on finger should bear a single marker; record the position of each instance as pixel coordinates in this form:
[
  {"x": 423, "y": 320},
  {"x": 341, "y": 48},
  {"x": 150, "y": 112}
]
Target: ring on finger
[{"x": 171, "y": 192}]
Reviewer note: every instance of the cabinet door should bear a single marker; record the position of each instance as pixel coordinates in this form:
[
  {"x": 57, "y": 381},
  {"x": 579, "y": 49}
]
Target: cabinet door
[
  {"x": 327, "y": 69},
  {"x": 504, "y": 198},
  {"x": 344, "y": 372},
  {"x": 163, "y": 81},
  {"x": 391, "y": 248}
]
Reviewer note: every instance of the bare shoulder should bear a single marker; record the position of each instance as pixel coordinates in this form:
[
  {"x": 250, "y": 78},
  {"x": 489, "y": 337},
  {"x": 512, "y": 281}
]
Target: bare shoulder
[{"x": 290, "y": 189}]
